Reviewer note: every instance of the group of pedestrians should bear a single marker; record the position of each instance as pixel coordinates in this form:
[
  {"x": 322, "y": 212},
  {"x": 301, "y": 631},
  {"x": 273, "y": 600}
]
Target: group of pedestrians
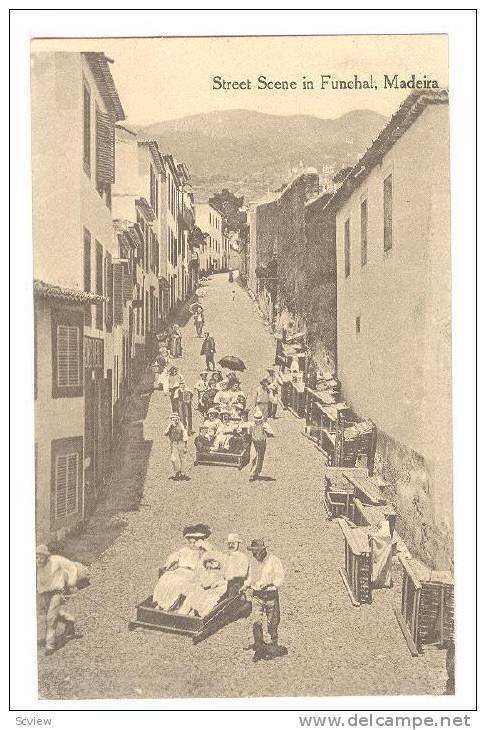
[{"x": 183, "y": 399}]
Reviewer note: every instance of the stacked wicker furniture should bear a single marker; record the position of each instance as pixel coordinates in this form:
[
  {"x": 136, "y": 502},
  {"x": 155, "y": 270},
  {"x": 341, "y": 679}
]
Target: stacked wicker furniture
[{"x": 426, "y": 615}]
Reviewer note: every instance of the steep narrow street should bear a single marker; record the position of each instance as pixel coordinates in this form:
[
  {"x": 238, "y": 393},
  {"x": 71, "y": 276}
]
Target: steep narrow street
[{"x": 334, "y": 648}]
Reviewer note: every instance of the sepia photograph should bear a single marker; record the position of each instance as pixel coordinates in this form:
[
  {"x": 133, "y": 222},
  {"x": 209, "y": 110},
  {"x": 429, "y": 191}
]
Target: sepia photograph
[{"x": 242, "y": 367}]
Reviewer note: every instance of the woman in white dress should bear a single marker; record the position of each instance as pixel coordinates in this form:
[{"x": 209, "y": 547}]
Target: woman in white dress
[
  {"x": 180, "y": 577},
  {"x": 211, "y": 585}
]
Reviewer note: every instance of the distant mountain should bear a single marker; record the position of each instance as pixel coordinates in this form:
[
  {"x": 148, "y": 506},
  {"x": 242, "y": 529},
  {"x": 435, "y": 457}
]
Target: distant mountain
[{"x": 251, "y": 153}]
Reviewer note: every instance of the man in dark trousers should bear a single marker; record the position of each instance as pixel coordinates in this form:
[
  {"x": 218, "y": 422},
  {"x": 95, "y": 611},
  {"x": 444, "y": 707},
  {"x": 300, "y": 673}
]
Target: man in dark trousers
[
  {"x": 258, "y": 430},
  {"x": 185, "y": 407},
  {"x": 265, "y": 577},
  {"x": 208, "y": 349}
]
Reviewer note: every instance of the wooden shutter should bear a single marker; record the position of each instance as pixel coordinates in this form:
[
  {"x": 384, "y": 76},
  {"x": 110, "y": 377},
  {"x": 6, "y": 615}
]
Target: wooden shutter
[
  {"x": 118, "y": 293},
  {"x": 105, "y": 149},
  {"x": 68, "y": 369},
  {"x": 109, "y": 292},
  {"x": 127, "y": 283},
  {"x": 66, "y": 485}
]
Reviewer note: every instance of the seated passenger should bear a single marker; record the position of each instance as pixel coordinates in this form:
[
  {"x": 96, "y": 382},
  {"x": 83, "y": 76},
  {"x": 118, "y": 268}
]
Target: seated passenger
[
  {"x": 223, "y": 397},
  {"x": 224, "y": 431},
  {"x": 239, "y": 404},
  {"x": 212, "y": 585},
  {"x": 215, "y": 380},
  {"x": 236, "y": 392},
  {"x": 202, "y": 440},
  {"x": 179, "y": 577},
  {"x": 212, "y": 422}
]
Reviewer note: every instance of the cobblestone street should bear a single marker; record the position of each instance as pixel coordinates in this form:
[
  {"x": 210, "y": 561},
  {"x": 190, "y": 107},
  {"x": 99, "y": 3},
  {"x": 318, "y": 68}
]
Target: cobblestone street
[{"x": 334, "y": 648}]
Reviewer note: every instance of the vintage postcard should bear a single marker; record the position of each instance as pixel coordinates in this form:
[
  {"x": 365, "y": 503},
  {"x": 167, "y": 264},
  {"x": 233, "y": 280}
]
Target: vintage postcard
[{"x": 242, "y": 300}]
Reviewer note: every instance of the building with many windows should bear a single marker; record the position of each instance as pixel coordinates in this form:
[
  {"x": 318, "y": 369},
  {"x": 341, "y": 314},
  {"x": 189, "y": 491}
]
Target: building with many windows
[
  {"x": 139, "y": 223},
  {"x": 393, "y": 313},
  {"x": 211, "y": 220},
  {"x": 74, "y": 110}
]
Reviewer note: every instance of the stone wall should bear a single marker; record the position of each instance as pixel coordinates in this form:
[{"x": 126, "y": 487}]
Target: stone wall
[
  {"x": 306, "y": 255},
  {"x": 424, "y": 528}
]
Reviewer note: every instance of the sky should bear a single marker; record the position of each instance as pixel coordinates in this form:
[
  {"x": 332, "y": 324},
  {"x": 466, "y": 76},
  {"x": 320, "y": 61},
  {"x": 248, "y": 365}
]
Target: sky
[{"x": 169, "y": 78}]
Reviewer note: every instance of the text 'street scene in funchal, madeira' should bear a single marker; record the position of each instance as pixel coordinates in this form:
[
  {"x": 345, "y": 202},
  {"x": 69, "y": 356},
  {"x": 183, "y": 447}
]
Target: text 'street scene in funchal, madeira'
[{"x": 242, "y": 315}]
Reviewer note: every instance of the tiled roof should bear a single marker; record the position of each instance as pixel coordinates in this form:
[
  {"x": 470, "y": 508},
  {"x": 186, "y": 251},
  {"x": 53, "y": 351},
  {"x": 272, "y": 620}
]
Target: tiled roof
[
  {"x": 65, "y": 294},
  {"x": 407, "y": 113},
  {"x": 98, "y": 64}
]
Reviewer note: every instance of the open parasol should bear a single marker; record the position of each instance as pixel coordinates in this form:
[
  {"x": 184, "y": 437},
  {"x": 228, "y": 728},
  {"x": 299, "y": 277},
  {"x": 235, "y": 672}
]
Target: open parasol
[{"x": 232, "y": 363}]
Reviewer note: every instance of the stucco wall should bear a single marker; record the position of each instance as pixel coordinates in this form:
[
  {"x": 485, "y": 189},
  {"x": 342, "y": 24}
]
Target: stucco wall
[
  {"x": 57, "y": 148},
  {"x": 396, "y": 371},
  {"x": 55, "y": 418},
  {"x": 65, "y": 201}
]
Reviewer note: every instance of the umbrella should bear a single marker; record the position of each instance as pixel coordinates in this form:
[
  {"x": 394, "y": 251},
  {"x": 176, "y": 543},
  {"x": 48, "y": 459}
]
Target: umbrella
[
  {"x": 232, "y": 363},
  {"x": 194, "y": 307}
]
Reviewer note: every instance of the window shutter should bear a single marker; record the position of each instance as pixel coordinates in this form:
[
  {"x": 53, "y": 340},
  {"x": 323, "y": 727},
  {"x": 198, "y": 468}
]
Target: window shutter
[
  {"x": 66, "y": 485},
  {"x": 105, "y": 149},
  {"x": 68, "y": 374},
  {"x": 127, "y": 284},
  {"x": 118, "y": 293},
  {"x": 109, "y": 292}
]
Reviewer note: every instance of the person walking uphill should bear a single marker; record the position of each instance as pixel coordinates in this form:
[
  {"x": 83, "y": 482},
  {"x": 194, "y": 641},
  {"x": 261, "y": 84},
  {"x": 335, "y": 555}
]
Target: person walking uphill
[
  {"x": 176, "y": 341},
  {"x": 185, "y": 407},
  {"x": 173, "y": 382},
  {"x": 259, "y": 430},
  {"x": 178, "y": 446},
  {"x": 261, "y": 587},
  {"x": 262, "y": 398},
  {"x": 199, "y": 321},
  {"x": 208, "y": 349}
]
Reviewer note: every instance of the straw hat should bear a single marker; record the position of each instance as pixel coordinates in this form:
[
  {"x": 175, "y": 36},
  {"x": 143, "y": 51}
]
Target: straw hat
[
  {"x": 256, "y": 545},
  {"x": 200, "y": 530}
]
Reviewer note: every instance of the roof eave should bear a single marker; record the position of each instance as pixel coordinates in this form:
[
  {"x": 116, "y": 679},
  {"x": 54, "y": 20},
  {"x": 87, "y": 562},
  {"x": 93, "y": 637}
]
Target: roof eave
[
  {"x": 67, "y": 294},
  {"x": 100, "y": 69},
  {"x": 403, "y": 119}
]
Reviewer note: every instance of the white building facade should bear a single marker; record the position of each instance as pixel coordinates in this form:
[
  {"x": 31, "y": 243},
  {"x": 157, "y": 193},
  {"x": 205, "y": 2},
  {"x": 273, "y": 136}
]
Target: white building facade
[
  {"x": 211, "y": 222},
  {"x": 394, "y": 320},
  {"x": 74, "y": 110}
]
